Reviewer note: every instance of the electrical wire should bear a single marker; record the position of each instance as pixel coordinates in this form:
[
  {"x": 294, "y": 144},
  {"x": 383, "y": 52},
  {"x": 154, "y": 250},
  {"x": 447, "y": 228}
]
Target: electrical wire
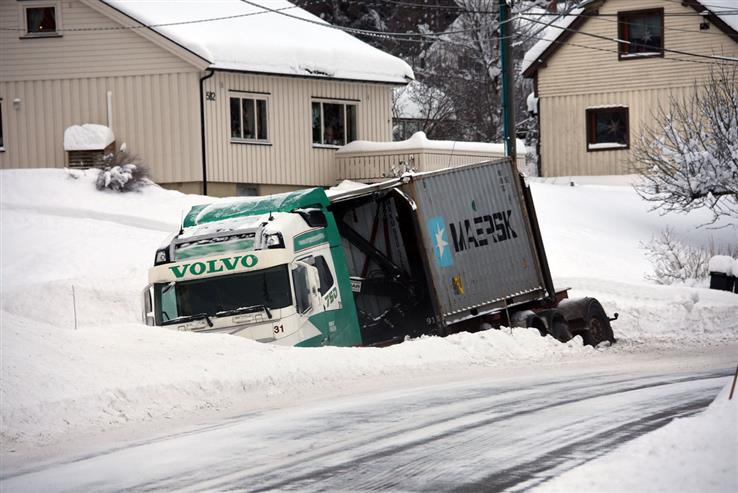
[
  {"x": 140, "y": 25},
  {"x": 642, "y": 45}
]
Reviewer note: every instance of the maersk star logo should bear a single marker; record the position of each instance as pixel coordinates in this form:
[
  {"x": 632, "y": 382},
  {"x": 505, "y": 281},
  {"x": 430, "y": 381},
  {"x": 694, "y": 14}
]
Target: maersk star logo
[{"x": 441, "y": 249}]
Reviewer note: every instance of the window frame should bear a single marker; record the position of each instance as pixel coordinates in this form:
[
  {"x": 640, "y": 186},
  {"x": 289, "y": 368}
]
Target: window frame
[
  {"x": 254, "y": 96},
  {"x": 343, "y": 102},
  {"x": 55, "y": 4},
  {"x": 591, "y": 123},
  {"x": 624, "y": 23},
  {"x": 324, "y": 271},
  {"x": 2, "y": 136},
  {"x": 299, "y": 275}
]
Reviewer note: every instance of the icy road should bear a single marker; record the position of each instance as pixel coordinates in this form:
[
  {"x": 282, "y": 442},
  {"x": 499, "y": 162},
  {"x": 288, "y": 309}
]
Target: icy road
[{"x": 488, "y": 434}]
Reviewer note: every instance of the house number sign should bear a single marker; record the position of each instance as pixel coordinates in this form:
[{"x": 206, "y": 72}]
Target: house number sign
[{"x": 210, "y": 96}]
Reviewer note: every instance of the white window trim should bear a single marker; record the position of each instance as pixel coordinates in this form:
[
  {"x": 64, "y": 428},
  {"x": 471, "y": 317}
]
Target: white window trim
[
  {"x": 2, "y": 127},
  {"x": 25, "y": 5},
  {"x": 322, "y": 121},
  {"x": 255, "y": 96}
]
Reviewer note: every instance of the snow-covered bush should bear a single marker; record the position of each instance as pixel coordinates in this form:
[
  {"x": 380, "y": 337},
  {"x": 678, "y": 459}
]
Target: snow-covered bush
[
  {"x": 676, "y": 262},
  {"x": 690, "y": 160},
  {"x": 122, "y": 172}
]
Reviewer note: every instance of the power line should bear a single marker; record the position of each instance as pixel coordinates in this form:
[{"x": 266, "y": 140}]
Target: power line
[
  {"x": 605, "y": 50},
  {"x": 642, "y": 45},
  {"x": 153, "y": 26}
]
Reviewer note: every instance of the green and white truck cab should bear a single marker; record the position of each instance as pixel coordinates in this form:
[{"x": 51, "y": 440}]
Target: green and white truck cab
[{"x": 267, "y": 268}]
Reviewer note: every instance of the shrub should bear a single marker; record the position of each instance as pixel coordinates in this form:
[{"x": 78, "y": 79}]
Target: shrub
[
  {"x": 675, "y": 262},
  {"x": 121, "y": 172}
]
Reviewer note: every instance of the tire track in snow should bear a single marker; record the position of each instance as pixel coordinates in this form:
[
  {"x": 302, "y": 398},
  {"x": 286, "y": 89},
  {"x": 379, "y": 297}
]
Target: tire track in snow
[
  {"x": 450, "y": 425},
  {"x": 400, "y": 442}
]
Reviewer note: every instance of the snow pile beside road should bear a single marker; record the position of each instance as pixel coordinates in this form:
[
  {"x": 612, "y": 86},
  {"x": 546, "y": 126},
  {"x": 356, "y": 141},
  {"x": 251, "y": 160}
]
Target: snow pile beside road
[
  {"x": 692, "y": 454},
  {"x": 59, "y": 233},
  {"x": 61, "y": 381}
]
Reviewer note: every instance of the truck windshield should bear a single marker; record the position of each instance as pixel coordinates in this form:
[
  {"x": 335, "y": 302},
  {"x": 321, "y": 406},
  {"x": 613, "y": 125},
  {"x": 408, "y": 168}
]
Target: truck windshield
[{"x": 268, "y": 287}]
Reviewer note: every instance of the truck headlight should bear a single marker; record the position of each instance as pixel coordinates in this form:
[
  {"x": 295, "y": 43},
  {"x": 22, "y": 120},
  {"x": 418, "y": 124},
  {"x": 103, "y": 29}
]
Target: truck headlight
[
  {"x": 274, "y": 241},
  {"x": 162, "y": 256}
]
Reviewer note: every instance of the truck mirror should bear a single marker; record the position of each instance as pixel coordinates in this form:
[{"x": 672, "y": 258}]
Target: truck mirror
[{"x": 147, "y": 310}]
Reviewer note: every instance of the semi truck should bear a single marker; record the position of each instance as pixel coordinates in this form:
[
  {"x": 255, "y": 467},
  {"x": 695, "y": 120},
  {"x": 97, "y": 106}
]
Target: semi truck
[{"x": 458, "y": 249}]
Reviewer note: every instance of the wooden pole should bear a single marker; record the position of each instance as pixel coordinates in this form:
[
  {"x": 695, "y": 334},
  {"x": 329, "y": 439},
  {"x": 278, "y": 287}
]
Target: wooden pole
[
  {"x": 74, "y": 307},
  {"x": 732, "y": 389}
]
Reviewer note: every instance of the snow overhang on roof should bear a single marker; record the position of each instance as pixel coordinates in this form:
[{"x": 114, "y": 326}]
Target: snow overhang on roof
[
  {"x": 243, "y": 37},
  {"x": 556, "y": 34}
]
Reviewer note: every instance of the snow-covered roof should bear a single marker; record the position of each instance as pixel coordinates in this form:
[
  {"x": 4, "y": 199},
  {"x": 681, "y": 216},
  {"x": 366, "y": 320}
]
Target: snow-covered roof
[
  {"x": 721, "y": 9},
  {"x": 419, "y": 142},
  {"x": 279, "y": 38},
  {"x": 87, "y": 137}
]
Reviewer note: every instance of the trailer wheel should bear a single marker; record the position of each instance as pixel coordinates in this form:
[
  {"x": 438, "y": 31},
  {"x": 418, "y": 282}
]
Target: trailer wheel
[
  {"x": 598, "y": 328},
  {"x": 557, "y": 325}
]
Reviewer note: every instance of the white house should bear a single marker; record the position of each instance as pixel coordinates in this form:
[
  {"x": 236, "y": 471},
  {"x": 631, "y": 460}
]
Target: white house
[{"x": 225, "y": 95}]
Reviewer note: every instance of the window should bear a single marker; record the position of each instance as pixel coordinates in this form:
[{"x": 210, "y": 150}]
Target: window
[
  {"x": 324, "y": 272},
  {"x": 41, "y": 19},
  {"x": 607, "y": 128},
  {"x": 248, "y": 119},
  {"x": 334, "y": 124},
  {"x": 644, "y": 30},
  {"x": 302, "y": 288}
]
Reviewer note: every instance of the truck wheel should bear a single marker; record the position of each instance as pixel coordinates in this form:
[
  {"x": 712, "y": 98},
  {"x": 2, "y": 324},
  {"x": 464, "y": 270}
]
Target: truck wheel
[
  {"x": 557, "y": 325},
  {"x": 598, "y": 326}
]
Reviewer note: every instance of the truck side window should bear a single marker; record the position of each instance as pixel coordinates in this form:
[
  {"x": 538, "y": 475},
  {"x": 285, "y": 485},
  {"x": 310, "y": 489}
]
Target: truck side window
[
  {"x": 302, "y": 289},
  {"x": 324, "y": 272}
]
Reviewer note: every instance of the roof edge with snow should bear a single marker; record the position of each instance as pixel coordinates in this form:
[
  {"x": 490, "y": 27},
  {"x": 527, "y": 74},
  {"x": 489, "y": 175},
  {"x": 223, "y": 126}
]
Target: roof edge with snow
[{"x": 544, "y": 48}]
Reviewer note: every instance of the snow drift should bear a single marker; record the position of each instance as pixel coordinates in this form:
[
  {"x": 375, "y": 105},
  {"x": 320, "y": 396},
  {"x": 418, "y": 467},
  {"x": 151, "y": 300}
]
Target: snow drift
[{"x": 64, "y": 241}]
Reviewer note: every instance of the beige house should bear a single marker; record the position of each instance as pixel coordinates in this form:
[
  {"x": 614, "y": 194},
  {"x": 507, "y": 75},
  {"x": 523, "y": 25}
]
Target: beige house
[
  {"x": 595, "y": 94},
  {"x": 218, "y": 95}
]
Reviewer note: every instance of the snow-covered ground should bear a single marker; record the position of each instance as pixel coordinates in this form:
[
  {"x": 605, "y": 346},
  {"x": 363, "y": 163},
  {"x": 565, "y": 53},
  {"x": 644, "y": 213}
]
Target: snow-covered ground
[
  {"x": 689, "y": 454},
  {"x": 62, "y": 240}
]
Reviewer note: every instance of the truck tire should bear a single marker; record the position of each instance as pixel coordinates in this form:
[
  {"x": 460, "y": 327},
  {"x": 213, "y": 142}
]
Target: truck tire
[
  {"x": 597, "y": 325},
  {"x": 557, "y": 325}
]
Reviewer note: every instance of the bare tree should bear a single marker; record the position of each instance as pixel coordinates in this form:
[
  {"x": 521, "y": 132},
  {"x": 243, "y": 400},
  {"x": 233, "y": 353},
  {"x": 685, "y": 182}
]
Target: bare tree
[{"x": 690, "y": 160}]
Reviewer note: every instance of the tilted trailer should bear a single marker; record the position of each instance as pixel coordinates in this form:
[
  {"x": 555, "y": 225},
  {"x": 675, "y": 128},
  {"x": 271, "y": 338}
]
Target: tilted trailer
[{"x": 427, "y": 253}]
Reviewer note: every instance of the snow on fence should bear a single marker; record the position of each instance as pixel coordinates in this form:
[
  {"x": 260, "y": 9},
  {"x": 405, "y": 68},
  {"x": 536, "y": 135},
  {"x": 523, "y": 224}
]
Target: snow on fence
[{"x": 368, "y": 161}]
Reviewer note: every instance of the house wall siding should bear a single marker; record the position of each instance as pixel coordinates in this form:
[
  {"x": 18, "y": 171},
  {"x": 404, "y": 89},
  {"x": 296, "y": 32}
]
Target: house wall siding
[
  {"x": 291, "y": 159},
  {"x": 576, "y": 78},
  {"x": 107, "y": 52},
  {"x": 63, "y": 81}
]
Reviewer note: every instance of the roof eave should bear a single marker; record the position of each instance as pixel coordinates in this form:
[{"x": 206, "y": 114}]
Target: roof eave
[
  {"x": 148, "y": 33},
  {"x": 592, "y": 8},
  {"x": 715, "y": 19},
  {"x": 404, "y": 82}
]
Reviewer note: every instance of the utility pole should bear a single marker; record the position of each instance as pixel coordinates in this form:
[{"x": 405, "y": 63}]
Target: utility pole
[{"x": 508, "y": 108}]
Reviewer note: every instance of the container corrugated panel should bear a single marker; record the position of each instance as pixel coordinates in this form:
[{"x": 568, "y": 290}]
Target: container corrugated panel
[{"x": 480, "y": 249}]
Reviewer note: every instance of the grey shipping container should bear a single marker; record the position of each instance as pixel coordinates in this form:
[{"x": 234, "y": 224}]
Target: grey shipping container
[
  {"x": 430, "y": 251},
  {"x": 481, "y": 251}
]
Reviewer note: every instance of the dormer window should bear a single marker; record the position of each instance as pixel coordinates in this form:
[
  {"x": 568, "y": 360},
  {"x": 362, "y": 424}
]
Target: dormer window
[
  {"x": 641, "y": 33},
  {"x": 41, "y": 19}
]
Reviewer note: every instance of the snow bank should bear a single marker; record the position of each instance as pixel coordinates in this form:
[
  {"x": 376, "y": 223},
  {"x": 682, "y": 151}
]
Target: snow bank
[
  {"x": 59, "y": 233},
  {"x": 87, "y": 137},
  {"x": 694, "y": 454}
]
